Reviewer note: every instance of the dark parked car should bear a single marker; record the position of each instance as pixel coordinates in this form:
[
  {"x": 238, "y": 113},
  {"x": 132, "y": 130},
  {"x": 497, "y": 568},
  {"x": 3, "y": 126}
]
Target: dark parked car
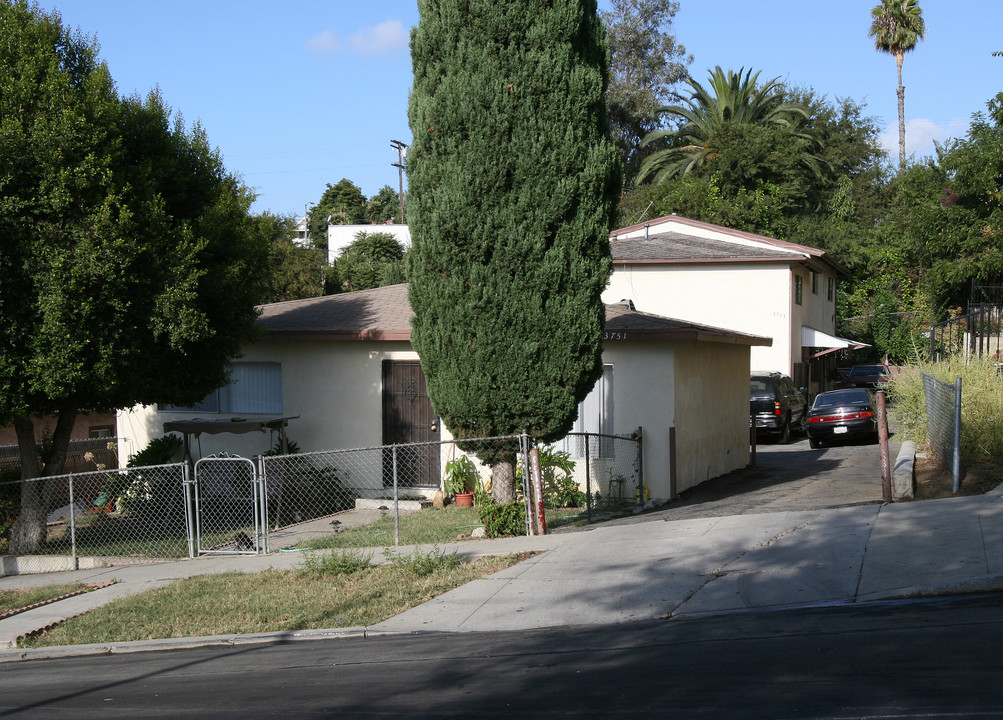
[
  {"x": 870, "y": 376},
  {"x": 776, "y": 406},
  {"x": 840, "y": 415}
]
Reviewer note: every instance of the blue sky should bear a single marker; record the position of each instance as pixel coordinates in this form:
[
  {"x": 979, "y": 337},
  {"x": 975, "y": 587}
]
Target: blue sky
[{"x": 302, "y": 93}]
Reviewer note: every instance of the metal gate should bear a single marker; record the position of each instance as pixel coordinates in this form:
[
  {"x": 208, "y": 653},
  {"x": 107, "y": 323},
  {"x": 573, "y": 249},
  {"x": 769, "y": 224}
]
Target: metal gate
[{"x": 229, "y": 505}]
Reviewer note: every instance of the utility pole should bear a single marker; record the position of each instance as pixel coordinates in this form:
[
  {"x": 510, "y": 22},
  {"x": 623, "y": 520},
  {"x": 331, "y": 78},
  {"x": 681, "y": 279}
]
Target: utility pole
[{"x": 401, "y": 149}]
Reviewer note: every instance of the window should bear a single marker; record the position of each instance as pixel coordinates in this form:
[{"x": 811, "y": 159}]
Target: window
[
  {"x": 95, "y": 432},
  {"x": 830, "y": 289},
  {"x": 798, "y": 289},
  {"x": 595, "y": 415},
  {"x": 814, "y": 283},
  {"x": 255, "y": 388}
]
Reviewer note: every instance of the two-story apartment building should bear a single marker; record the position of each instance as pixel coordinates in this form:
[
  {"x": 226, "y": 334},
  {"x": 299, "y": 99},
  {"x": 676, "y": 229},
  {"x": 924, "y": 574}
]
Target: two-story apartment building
[{"x": 713, "y": 275}]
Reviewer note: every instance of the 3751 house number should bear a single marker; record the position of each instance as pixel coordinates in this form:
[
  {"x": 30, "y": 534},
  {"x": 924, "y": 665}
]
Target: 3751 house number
[{"x": 614, "y": 336}]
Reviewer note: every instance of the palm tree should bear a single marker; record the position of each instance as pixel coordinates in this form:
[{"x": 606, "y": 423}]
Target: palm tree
[
  {"x": 733, "y": 98},
  {"x": 896, "y": 27}
]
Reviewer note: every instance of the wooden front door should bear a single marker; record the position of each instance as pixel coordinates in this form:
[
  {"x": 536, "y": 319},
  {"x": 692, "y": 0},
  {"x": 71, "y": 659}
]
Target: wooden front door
[{"x": 408, "y": 418}]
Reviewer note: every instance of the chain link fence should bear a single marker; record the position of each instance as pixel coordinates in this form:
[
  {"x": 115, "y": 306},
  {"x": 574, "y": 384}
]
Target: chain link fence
[
  {"x": 943, "y": 420},
  {"x": 122, "y": 513},
  {"x": 588, "y": 476},
  {"x": 387, "y": 495},
  {"x": 370, "y": 497}
]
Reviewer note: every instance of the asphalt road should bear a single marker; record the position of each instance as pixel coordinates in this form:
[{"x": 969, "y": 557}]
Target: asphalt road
[{"x": 932, "y": 659}]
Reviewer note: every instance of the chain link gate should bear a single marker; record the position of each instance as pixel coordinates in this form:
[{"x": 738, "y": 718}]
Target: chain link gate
[{"x": 230, "y": 507}]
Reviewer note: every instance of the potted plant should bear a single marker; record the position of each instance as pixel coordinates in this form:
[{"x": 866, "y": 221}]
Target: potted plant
[{"x": 461, "y": 479}]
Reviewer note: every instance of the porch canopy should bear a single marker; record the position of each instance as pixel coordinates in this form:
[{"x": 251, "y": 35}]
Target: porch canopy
[{"x": 197, "y": 426}]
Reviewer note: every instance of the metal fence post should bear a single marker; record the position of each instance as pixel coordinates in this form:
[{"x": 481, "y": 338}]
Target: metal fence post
[
  {"x": 262, "y": 486},
  {"x": 73, "y": 528},
  {"x": 588, "y": 480},
  {"x": 397, "y": 527},
  {"x": 640, "y": 464},
  {"x": 524, "y": 459},
  {"x": 886, "y": 474},
  {"x": 188, "y": 496},
  {"x": 956, "y": 465}
]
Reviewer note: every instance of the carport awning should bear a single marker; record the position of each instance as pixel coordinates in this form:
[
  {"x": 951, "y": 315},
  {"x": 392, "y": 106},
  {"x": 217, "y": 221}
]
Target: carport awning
[{"x": 810, "y": 337}]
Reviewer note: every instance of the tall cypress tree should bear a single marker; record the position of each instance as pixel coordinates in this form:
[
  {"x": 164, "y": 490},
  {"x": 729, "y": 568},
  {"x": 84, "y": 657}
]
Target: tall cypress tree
[{"x": 513, "y": 182}]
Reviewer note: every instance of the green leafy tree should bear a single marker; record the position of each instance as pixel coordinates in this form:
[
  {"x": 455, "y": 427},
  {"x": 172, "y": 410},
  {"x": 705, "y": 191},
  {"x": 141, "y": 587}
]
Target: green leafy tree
[
  {"x": 733, "y": 99},
  {"x": 341, "y": 204},
  {"x": 646, "y": 64},
  {"x": 293, "y": 271},
  {"x": 371, "y": 260},
  {"x": 513, "y": 179},
  {"x": 128, "y": 267},
  {"x": 383, "y": 206},
  {"x": 897, "y": 26}
]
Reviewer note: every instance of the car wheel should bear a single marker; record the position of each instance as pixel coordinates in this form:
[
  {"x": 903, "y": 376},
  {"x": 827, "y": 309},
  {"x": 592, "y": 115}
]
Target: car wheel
[
  {"x": 785, "y": 433},
  {"x": 815, "y": 444}
]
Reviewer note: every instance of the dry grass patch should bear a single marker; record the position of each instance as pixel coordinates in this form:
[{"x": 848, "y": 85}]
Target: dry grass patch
[
  {"x": 20, "y": 598},
  {"x": 273, "y": 600}
]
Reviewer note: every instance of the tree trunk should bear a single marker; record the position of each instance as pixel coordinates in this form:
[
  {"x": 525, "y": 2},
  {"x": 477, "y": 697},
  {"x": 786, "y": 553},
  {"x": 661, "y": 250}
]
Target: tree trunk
[
  {"x": 901, "y": 96},
  {"x": 503, "y": 482},
  {"x": 28, "y": 532}
]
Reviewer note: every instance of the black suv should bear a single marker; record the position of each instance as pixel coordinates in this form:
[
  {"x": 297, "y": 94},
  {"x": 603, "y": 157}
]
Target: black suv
[{"x": 776, "y": 406}]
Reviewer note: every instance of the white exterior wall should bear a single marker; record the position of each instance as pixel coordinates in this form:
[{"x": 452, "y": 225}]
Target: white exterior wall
[
  {"x": 340, "y": 236},
  {"x": 752, "y": 299},
  {"x": 712, "y": 411},
  {"x": 644, "y": 397},
  {"x": 335, "y": 388}
]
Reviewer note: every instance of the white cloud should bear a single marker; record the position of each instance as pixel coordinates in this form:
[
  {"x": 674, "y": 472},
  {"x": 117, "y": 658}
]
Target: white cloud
[
  {"x": 920, "y": 135},
  {"x": 326, "y": 43},
  {"x": 378, "y": 39}
]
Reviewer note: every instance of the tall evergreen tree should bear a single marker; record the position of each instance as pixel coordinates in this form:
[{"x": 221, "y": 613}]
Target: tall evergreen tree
[{"x": 513, "y": 181}]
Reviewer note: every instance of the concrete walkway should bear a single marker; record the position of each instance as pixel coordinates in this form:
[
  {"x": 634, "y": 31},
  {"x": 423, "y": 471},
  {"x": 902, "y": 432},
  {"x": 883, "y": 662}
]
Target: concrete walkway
[{"x": 621, "y": 573}]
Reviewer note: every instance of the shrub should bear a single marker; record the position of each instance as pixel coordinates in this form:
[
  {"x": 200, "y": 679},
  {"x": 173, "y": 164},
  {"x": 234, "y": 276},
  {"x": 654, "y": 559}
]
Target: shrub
[
  {"x": 505, "y": 519},
  {"x": 423, "y": 564},
  {"x": 344, "y": 562},
  {"x": 160, "y": 451},
  {"x": 981, "y": 405}
]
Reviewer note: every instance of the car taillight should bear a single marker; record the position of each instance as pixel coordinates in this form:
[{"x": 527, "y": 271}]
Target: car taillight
[
  {"x": 860, "y": 415},
  {"x": 776, "y": 408}
]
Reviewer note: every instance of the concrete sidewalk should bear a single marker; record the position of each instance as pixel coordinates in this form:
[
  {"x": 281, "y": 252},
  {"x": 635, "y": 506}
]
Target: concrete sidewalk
[{"x": 620, "y": 573}]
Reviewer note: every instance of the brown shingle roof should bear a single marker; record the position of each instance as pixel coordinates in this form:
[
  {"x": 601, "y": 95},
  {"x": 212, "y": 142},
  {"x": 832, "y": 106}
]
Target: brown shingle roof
[
  {"x": 385, "y": 314},
  {"x": 675, "y": 247},
  {"x": 675, "y": 240}
]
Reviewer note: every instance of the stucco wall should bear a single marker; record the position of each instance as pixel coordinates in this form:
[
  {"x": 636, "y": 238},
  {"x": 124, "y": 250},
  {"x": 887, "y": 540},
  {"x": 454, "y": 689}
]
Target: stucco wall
[
  {"x": 754, "y": 299},
  {"x": 712, "y": 411},
  {"x": 335, "y": 388},
  {"x": 644, "y": 397}
]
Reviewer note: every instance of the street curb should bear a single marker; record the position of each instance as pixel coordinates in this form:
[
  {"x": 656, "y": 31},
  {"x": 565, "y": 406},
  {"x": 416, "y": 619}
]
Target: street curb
[
  {"x": 968, "y": 586},
  {"x": 903, "y": 471},
  {"x": 187, "y": 643}
]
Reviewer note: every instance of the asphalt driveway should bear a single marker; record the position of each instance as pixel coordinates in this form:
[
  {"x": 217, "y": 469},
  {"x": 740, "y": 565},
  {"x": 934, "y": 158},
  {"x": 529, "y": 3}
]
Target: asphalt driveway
[{"x": 784, "y": 478}]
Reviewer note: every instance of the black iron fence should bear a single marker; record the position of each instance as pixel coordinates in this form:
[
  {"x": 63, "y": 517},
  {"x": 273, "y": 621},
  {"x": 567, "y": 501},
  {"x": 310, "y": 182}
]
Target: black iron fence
[{"x": 976, "y": 334}]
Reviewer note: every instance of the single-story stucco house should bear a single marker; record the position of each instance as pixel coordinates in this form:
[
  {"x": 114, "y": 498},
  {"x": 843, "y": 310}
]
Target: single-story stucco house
[{"x": 335, "y": 362}]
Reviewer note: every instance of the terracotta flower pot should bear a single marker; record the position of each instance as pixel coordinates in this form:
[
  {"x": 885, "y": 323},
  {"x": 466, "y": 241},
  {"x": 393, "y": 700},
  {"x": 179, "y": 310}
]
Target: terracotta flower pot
[{"x": 465, "y": 499}]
